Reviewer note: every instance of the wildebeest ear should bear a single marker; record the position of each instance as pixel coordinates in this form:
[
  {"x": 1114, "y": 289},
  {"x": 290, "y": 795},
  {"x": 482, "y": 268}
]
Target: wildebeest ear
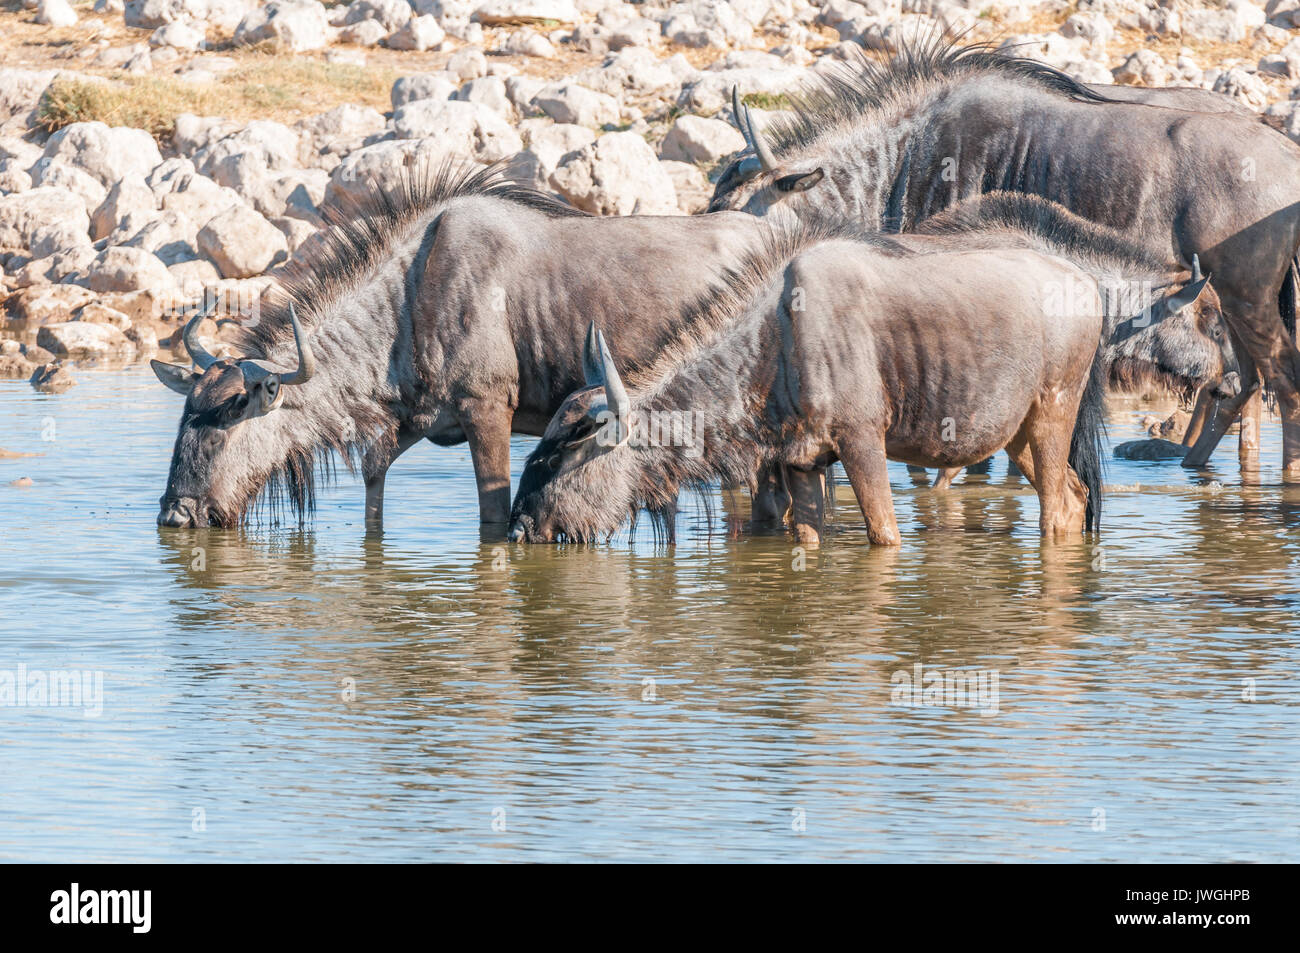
[
  {"x": 800, "y": 181},
  {"x": 174, "y": 377},
  {"x": 1187, "y": 294}
]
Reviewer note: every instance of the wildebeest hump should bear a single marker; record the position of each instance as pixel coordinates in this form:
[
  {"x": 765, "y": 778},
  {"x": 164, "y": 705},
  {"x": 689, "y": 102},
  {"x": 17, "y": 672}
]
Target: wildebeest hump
[{"x": 511, "y": 300}]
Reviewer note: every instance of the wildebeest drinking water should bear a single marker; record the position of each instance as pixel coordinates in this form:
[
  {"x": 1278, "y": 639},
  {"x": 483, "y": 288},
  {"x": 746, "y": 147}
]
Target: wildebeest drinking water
[
  {"x": 829, "y": 349},
  {"x": 451, "y": 308},
  {"x": 889, "y": 145}
]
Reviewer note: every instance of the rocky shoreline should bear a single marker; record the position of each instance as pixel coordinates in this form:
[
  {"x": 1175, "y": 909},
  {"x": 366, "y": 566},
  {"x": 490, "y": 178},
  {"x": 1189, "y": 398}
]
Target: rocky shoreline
[{"x": 108, "y": 231}]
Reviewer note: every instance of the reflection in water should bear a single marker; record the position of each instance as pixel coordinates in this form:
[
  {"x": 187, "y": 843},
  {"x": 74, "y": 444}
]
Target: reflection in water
[{"x": 318, "y": 693}]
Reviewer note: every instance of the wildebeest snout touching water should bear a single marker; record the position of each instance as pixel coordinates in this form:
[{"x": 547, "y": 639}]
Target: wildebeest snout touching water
[{"x": 833, "y": 349}]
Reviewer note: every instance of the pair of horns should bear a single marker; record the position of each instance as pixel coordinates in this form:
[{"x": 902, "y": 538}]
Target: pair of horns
[
  {"x": 763, "y": 159},
  {"x": 253, "y": 368},
  {"x": 598, "y": 370}
]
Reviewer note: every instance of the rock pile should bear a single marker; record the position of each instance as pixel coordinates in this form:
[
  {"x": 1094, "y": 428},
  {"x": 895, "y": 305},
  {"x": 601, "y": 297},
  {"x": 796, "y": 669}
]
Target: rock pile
[{"x": 618, "y": 107}]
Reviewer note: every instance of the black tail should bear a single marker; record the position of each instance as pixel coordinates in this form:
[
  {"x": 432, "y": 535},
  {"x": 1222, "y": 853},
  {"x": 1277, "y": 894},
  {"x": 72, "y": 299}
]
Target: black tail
[
  {"x": 1087, "y": 446},
  {"x": 1286, "y": 297}
]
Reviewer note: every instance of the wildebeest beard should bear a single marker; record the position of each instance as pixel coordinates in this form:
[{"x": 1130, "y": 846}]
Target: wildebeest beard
[{"x": 224, "y": 469}]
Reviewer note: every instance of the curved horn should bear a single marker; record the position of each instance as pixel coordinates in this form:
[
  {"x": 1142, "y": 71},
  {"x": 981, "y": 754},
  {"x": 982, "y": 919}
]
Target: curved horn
[
  {"x": 738, "y": 114},
  {"x": 753, "y": 138},
  {"x": 591, "y": 358},
  {"x": 198, "y": 353},
  {"x": 764, "y": 152},
  {"x": 306, "y": 360},
  {"x": 615, "y": 393},
  {"x": 1196, "y": 268}
]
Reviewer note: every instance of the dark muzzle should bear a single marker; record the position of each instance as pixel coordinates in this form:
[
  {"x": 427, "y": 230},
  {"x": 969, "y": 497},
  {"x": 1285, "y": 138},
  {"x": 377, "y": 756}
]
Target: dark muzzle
[
  {"x": 1227, "y": 387},
  {"x": 182, "y": 513}
]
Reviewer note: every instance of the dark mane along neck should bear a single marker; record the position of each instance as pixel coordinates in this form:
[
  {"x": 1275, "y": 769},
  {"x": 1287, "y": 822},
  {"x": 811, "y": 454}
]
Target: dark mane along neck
[
  {"x": 712, "y": 377},
  {"x": 361, "y": 232},
  {"x": 856, "y": 91},
  {"x": 1054, "y": 228}
]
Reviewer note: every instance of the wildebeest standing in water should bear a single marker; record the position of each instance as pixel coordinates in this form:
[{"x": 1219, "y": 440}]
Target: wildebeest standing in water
[
  {"x": 1162, "y": 328},
  {"x": 831, "y": 349},
  {"x": 889, "y": 145},
  {"x": 450, "y": 308}
]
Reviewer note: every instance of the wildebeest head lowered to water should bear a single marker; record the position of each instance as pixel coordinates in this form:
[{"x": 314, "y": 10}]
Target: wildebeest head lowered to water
[
  {"x": 203, "y": 488},
  {"x": 827, "y": 348}
]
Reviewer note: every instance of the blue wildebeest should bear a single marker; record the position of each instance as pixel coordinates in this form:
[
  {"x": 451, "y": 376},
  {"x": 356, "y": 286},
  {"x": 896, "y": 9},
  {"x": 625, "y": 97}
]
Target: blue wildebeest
[
  {"x": 1162, "y": 327},
  {"x": 451, "y": 308},
  {"x": 889, "y": 145},
  {"x": 824, "y": 348}
]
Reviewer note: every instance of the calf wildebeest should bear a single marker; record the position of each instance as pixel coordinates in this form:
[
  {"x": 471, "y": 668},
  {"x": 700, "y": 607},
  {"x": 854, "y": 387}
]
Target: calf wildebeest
[
  {"x": 1162, "y": 327},
  {"x": 889, "y": 145},
  {"x": 450, "y": 308},
  {"x": 825, "y": 349}
]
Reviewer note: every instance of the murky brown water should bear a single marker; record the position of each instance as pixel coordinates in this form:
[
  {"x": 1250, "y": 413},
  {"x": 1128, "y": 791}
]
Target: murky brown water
[{"x": 297, "y": 694}]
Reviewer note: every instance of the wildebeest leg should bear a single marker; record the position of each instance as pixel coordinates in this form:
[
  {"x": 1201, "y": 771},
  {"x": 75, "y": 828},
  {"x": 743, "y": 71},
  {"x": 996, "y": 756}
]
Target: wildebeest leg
[
  {"x": 863, "y": 458},
  {"x": 1290, "y": 446},
  {"x": 1224, "y": 414},
  {"x": 487, "y": 428},
  {"x": 1062, "y": 499},
  {"x": 374, "y": 471},
  {"x": 1248, "y": 438},
  {"x": 1021, "y": 457},
  {"x": 945, "y": 477},
  {"x": 1200, "y": 415},
  {"x": 920, "y": 475},
  {"x": 771, "y": 499},
  {"x": 807, "y": 495}
]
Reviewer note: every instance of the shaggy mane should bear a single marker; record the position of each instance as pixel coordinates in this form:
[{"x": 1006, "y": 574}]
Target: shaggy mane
[
  {"x": 360, "y": 232},
  {"x": 735, "y": 289},
  {"x": 1074, "y": 236},
  {"x": 850, "y": 92},
  {"x": 358, "y": 236}
]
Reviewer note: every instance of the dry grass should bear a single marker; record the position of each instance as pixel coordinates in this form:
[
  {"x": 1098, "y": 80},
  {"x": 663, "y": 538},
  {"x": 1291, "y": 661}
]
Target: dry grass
[
  {"x": 265, "y": 85},
  {"x": 262, "y": 85}
]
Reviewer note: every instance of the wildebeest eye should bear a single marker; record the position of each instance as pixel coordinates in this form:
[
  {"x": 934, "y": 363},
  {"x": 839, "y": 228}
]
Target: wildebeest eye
[
  {"x": 553, "y": 462},
  {"x": 233, "y": 412}
]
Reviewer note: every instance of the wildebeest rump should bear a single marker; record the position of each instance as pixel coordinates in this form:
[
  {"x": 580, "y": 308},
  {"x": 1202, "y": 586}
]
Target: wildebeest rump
[
  {"x": 827, "y": 348},
  {"x": 892, "y": 144},
  {"x": 452, "y": 308}
]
